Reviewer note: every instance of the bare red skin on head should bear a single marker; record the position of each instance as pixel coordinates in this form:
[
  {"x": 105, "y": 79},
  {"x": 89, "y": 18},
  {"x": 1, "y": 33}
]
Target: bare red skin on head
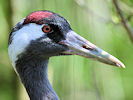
[{"x": 37, "y": 16}]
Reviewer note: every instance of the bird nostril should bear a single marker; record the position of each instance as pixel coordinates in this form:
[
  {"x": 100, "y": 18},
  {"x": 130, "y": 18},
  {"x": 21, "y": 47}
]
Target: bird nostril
[
  {"x": 86, "y": 47},
  {"x": 89, "y": 48}
]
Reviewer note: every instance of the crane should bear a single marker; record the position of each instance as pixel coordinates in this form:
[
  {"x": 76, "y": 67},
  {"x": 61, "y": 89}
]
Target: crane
[{"x": 39, "y": 36}]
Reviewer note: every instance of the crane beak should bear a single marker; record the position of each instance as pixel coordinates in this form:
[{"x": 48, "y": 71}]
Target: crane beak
[{"x": 79, "y": 46}]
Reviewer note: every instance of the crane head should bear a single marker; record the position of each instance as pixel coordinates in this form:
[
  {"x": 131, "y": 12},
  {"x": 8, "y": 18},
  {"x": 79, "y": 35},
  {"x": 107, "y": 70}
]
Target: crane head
[{"x": 44, "y": 34}]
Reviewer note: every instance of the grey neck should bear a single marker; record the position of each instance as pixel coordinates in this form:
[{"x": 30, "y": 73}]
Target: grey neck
[{"x": 33, "y": 75}]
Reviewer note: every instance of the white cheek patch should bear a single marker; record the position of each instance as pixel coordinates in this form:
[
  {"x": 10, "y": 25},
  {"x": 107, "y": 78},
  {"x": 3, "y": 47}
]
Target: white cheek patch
[{"x": 22, "y": 38}]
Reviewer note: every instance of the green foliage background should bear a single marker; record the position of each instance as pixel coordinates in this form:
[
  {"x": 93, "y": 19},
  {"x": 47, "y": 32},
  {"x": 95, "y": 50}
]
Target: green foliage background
[{"x": 74, "y": 77}]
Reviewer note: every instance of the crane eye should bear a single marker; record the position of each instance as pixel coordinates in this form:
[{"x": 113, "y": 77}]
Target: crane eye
[{"x": 47, "y": 29}]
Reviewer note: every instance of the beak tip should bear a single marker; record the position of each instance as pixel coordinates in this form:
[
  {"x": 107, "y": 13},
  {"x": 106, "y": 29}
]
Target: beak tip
[
  {"x": 121, "y": 65},
  {"x": 116, "y": 61}
]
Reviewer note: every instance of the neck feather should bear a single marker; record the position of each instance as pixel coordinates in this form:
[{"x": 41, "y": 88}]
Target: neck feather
[{"x": 33, "y": 75}]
